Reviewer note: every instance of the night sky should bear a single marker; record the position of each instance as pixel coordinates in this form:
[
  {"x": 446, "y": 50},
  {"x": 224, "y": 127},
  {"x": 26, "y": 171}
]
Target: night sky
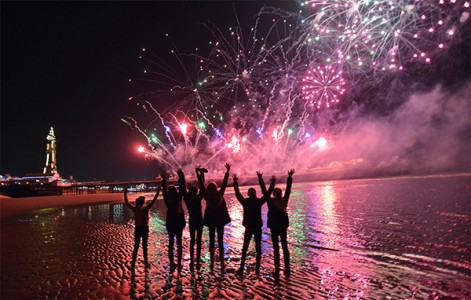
[{"x": 67, "y": 65}]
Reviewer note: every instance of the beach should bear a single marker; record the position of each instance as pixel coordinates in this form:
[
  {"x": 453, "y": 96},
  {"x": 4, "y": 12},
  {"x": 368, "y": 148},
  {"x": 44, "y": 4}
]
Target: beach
[
  {"x": 368, "y": 238},
  {"x": 15, "y": 206}
]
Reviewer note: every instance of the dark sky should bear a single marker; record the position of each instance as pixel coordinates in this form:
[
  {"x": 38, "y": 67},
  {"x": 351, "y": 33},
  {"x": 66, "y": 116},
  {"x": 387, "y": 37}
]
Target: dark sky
[{"x": 67, "y": 65}]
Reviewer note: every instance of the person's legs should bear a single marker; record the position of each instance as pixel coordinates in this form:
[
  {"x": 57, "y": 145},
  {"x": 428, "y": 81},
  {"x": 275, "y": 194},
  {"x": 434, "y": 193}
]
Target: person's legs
[
  {"x": 192, "y": 246},
  {"x": 258, "y": 247},
  {"x": 199, "y": 234},
  {"x": 212, "y": 237},
  {"x": 171, "y": 241},
  {"x": 276, "y": 251},
  {"x": 145, "y": 238},
  {"x": 137, "y": 241},
  {"x": 179, "y": 248},
  {"x": 245, "y": 246},
  {"x": 212, "y": 233},
  {"x": 284, "y": 244},
  {"x": 220, "y": 230}
]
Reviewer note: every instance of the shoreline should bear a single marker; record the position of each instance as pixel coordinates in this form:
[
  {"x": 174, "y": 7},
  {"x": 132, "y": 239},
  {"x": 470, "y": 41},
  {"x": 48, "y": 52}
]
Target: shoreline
[
  {"x": 382, "y": 231},
  {"x": 10, "y": 207}
]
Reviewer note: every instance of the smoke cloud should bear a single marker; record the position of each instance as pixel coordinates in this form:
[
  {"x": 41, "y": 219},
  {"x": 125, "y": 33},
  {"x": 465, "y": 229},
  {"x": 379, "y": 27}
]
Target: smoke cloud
[{"x": 429, "y": 133}]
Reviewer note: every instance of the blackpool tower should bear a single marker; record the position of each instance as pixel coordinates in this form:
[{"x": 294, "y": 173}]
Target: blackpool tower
[{"x": 51, "y": 165}]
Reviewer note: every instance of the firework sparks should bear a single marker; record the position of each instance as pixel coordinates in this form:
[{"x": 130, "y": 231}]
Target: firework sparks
[
  {"x": 383, "y": 34},
  {"x": 322, "y": 86},
  {"x": 183, "y": 128},
  {"x": 257, "y": 95}
]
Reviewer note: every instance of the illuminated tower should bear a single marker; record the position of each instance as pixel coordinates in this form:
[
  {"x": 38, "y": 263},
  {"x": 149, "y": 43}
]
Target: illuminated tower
[{"x": 51, "y": 166}]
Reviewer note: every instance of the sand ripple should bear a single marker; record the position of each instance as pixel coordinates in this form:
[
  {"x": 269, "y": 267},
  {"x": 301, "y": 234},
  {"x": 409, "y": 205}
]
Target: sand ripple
[{"x": 85, "y": 252}]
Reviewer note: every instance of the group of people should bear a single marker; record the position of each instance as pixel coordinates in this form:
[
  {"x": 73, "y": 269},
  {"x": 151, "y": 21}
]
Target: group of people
[{"x": 216, "y": 216}]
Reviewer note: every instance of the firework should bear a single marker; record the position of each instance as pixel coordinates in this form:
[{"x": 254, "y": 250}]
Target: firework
[
  {"x": 323, "y": 85},
  {"x": 256, "y": 95},
  {"x": 383, "y": 34}
]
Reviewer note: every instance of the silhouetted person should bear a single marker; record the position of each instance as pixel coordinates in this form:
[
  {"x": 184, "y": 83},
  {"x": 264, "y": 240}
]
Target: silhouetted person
[
  {"x": 175, "y": 220},
  {"x": 216, "y": 214},
  {"x": 141, "y": 222},
  {"x": 193, "y": 204},
  {"x": 252, "y": 222},
  {"x": 278, "y": 221}
]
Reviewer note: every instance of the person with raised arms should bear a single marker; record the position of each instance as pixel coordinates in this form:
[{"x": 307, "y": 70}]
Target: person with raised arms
[
  {"x": 252, "y": 221},
  {"x": 193, "y": 200},
  {"x": 278, "y": 221},
  {"x": 175, "y": 220},
  {"x": 216, "y": 215},
  {"x": 141, "y": 225}
]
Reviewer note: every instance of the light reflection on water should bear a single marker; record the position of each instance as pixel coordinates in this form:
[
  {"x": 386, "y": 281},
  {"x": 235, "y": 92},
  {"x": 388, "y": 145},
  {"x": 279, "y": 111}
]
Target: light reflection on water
[{"x": 397, "y": 237}]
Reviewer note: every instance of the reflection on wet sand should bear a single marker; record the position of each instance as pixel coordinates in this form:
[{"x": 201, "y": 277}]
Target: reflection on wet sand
[{"x": 384, "y": 238}]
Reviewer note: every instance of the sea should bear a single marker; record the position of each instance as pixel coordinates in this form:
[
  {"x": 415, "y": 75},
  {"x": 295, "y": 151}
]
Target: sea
[{"x": 387, "y": 238}]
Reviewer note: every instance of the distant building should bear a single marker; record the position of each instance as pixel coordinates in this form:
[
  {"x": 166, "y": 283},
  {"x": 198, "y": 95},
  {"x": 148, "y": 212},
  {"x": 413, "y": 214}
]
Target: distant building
[
  {"x": 38, "y": 178},
  {"x": 51, "y": 154},
  {"x": 48, "y": 178}
]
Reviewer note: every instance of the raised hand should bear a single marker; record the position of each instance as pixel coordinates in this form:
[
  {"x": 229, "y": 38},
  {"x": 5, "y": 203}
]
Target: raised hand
[
  {"x": 200, "y": 170},
  {"x": 228, "y": 166},
  {"x": 180, "y": 173},
  {"x": 259, "y": 174},
  {"x": 290, "y": 172},
  {"x": 235, "y": 178},
  {"x": 126, "y": 200},
  {"x": 164, "y": 176},
  {"x": 273, "y": 179}
]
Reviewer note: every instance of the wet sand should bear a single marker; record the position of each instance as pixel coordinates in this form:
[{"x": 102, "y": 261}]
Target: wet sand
[
  {"x": 366, "y": 239},
  {"x": 66, "y": 256},
  {"x": 15, "y": 206}
]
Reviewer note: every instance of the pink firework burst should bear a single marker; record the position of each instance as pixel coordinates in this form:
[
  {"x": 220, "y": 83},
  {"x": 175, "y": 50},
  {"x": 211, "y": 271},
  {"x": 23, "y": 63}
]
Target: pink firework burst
[{"x": 322, "y": 86}]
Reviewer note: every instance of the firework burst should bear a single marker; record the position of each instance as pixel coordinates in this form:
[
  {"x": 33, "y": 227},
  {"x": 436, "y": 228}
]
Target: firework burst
[
  {"x": 256, "y": 96},
  {"x": 383, "y": 34},
  {"x": 323, "y": 85}
]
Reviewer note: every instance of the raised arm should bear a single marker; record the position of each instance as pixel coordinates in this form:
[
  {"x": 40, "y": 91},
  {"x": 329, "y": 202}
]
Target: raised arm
[
  {"x": 126, "y": 200},
  {"x": 164, "y": 184},
  {"x": 236, "y": 189},
  {"x": 226, "y": 178},
  {"x": 164, "y": 187},
  {"x": 289, "y": 182},
  {"x": 181, "y": 183},
  {"x": 272, "y": 185},
  {"x": 262, "y": 184},
  {"x": 200, "y": 176},
  {"x": 155, "y": 197}
]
